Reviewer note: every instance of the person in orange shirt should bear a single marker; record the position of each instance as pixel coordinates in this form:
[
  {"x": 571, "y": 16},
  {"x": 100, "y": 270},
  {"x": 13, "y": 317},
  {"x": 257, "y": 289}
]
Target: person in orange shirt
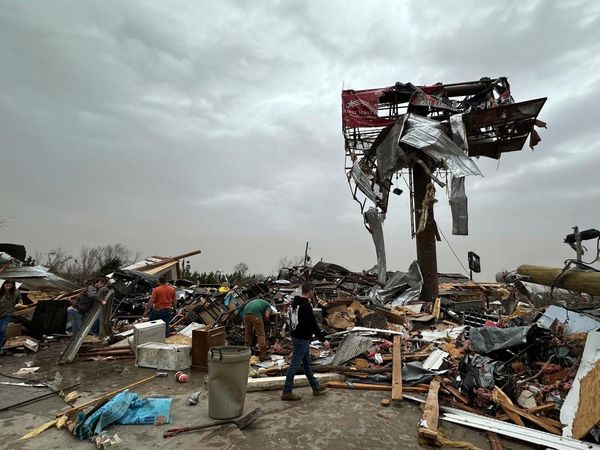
[{"x": 163, "y": 303}]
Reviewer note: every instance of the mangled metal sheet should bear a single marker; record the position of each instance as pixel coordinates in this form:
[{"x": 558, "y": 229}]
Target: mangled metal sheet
[
  {"x": 428, "y": 136},
  {"x": 527, "y": 434},
  {"x": 458, "y": 207},
  {"x": 363, "y": 183},
  {"x": 390, "y": 156},
  {"x": 401, "y": 288},
  {"x": 574, "y": 322},
  {"x": 375, "y": 221},
  {"x": 352, "y": 346},
  {"x": 459, "y": 132},
  {"x": 37, "y": 278}
]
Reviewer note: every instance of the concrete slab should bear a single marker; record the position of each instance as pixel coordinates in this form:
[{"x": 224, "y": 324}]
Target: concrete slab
[{"x": 345, "y": 419}]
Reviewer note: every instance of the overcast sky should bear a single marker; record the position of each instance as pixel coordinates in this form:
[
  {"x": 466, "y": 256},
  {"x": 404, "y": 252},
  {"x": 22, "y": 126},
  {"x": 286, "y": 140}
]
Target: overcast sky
[{"x": 171, "y": 126}]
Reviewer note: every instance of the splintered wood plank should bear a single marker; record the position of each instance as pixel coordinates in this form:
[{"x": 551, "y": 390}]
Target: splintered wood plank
[
  {"x": 428, "y": 427},
  {"x": 495, "y": 442},
  {"x": 397, "y": 369},
  {"x": 437, "y": 308},
  {"x": 588, "y": 409}
]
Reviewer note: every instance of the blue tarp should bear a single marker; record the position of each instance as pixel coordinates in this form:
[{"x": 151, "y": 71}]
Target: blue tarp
[
  {"x": 147, "y": 411},
  {"x": 124, "y": 408}
]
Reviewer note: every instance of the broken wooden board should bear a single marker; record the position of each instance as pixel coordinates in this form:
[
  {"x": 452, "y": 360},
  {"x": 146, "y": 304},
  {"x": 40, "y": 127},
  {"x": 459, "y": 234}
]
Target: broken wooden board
[
  {"x": 428, "y": 427},
  {"x": 588, "y": 411},
  {"x": 437, "y": 307},
  {"x": 494, "y": 439},
  {"x": 22, "y": 341},
  {"x": 589, "y": 359},
  {"x": 397, "y": 369},
  {"x": 500, "y": 398}
]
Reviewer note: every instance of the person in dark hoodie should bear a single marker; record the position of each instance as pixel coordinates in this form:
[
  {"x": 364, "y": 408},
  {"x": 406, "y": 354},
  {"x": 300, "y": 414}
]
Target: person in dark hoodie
[{"x": 303, "y": 326}]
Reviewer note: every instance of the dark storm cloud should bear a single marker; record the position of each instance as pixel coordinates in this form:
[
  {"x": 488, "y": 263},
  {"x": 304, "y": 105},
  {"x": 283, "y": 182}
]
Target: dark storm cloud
[{"x": 170, "y": 126}]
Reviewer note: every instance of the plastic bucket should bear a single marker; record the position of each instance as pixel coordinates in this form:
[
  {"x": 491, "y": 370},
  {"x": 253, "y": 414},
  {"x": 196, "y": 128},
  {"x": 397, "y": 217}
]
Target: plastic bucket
[{"x": 228, "y": 368}]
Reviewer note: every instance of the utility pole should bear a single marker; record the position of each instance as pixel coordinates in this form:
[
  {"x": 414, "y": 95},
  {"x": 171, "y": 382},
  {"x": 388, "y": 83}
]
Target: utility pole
[
  {"x": 305, "y": 254},
  {"x": 426, "y": 245},
  {"x": 578, "y": 247}
]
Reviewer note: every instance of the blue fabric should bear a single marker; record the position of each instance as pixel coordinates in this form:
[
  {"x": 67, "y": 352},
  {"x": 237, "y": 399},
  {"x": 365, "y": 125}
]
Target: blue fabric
[
  {"x": 4, "y": 321},
  {"x": 106, "y": 415},
  {"x": 301, "y": 355},
  {"x": 147, "y": 411},
  {"x": 165, "y": 315},
  {"x": 124, "y": 408}
]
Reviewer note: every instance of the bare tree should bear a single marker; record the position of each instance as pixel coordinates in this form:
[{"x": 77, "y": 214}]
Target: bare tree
[
  {"x": 91, "y": 262},
  {"x": 241, "y": 268},
  {"x": 57, "y": 260},
  {"x": 289, "y": 261}
]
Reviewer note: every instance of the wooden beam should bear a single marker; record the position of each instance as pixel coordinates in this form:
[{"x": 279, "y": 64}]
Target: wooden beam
[
  {"x": 588, "y": 282},
  {"x": 500, "y": 398},
  {"x": 494, "y": 439},
  {"x": 428, "y": 428},
  {"x": 373, "y": 387},
  {"x": 397, "y": 369},
  {"x": 539, "y": 421},
  {"x": 537, "y": 409}
]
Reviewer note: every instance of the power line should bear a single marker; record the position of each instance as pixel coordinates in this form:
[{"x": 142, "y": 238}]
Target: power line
[{"x": 453, "y": 252}]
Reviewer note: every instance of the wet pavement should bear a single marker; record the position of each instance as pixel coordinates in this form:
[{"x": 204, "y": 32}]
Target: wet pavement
[{"x": 338, "y": 419}]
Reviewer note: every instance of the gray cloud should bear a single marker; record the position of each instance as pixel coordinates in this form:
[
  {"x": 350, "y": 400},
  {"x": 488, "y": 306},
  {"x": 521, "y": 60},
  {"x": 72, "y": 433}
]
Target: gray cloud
[{"x": 175, "y": 126}]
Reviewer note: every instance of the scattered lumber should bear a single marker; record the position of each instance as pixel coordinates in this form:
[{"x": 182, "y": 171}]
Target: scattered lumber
[
  {"x": 428, "y": 427},
  {"x": 397, "y": 369}
]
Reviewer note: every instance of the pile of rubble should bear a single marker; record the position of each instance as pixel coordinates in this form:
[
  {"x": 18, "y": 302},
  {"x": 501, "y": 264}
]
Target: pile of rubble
[{"x": 481, "y": 355}]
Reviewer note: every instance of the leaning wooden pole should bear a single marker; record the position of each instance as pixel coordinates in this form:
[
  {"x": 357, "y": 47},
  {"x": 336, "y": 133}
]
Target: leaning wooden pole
[{"x": 573, "y": 280}]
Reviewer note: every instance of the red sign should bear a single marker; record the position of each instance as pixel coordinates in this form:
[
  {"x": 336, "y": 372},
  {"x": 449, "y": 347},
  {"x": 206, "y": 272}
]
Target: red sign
[{"x": 359, "y": 109}]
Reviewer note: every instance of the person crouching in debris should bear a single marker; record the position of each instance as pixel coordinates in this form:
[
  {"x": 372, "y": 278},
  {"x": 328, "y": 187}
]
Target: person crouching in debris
[
  {"x": 253, "y": 312},
  {"x": 83, "y": 303},
  {"x": 303, "y": 326},
  {"x": 163, "y": 301},
  {"x": 10, "y": 297}
]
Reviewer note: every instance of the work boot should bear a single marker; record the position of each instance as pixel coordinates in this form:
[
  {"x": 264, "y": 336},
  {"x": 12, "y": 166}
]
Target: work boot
[
  {"x": 290, "y": 397},
  {"x": 319, "y": 390}
]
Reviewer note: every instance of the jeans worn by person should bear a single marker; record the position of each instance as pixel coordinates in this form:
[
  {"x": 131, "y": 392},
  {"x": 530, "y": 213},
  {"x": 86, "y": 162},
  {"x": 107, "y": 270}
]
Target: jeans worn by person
[
  {"x": 165, "y": 314},
  {"x": 75, "y": 318},
  {"x": 301, "y": 355},
  {"x": 4, "y": 321}
]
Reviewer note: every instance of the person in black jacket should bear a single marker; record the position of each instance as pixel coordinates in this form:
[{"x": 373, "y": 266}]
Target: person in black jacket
[{"x": 303, "y": 326}]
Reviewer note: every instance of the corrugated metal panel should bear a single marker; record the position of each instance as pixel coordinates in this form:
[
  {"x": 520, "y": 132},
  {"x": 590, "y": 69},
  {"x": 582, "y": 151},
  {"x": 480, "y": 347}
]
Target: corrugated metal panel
[{"x": 350, "y": 348}]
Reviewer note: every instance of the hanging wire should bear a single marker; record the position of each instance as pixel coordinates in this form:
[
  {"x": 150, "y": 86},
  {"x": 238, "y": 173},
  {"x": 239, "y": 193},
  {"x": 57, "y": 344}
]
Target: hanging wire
[{"x": 453, "y": 252}]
